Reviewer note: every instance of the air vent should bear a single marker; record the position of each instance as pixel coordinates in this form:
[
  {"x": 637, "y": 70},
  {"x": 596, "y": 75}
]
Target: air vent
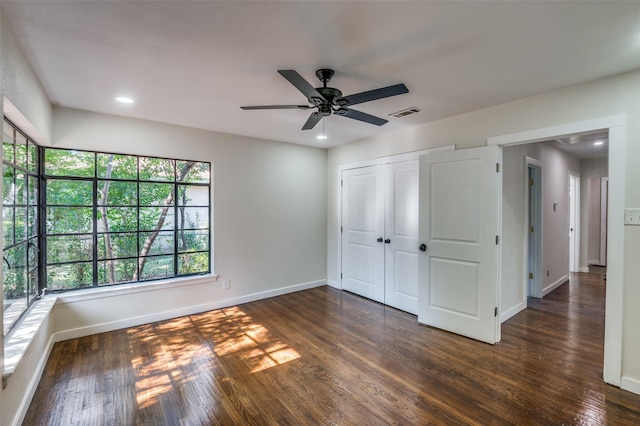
[{"x": 405, "y": 112}]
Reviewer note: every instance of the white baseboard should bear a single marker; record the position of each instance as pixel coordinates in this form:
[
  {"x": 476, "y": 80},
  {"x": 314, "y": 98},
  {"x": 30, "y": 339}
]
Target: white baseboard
[
  {"x": 554, "y": 285},
  {"x": 175, "y": 313},
  {"x": 629, "y": 384},
  {"x": 21, "y": 412},
  {"x": 513, "y": 311},
  {"x": 334, "y": 284}
]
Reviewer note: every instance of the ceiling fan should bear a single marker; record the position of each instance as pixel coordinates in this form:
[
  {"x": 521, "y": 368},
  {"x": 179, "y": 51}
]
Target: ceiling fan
[{"x": 329, "y": 100}]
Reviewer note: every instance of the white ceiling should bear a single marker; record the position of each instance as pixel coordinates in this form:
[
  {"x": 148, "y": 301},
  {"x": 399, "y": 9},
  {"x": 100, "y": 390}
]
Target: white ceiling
[{"x": 195, "y": 63}]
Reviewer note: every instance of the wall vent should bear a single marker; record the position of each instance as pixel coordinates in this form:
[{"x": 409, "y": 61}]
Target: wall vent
[{"x": 405, "y": 112}]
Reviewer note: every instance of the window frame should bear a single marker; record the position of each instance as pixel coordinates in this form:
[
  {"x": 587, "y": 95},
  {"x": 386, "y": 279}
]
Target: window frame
[
  {"x": 31, "y": 202},
  {"x": 95, "y": 232}
]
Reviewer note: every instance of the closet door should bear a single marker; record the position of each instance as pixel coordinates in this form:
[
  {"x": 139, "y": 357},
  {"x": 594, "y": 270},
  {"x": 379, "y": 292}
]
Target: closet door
[
  {"x": 401, "y": 230},
  {"x": 363, "y": 232}
]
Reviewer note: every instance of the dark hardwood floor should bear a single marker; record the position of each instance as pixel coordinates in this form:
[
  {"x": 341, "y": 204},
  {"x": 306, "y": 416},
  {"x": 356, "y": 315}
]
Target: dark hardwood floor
[{"x": 324, "y": 356}]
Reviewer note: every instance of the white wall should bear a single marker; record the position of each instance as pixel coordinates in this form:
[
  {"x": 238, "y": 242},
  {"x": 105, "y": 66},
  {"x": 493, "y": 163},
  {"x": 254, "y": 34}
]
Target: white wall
[
  {"x": 603, "y": 98},
  {"x": 555, "y": 223}
]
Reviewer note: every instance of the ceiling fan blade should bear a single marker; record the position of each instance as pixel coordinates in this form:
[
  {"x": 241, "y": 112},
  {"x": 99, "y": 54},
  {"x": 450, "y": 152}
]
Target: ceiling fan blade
[
  {"x": 303, "y": 85},
  {"x": 372, "y": 95},
  {"x": 276, "y": 107},
  {"x": 312, "y": 121},
  {"x": 361, "y": 116}
]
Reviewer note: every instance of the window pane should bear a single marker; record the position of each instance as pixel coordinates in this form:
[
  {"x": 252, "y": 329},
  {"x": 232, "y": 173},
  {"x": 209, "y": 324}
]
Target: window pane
[
  {"x": 113, "y": 166},
  {"x": 116, "y": 271},
  {"x": 69, "y": 192},
  {"x": 158, "y": 169},
  {"x": 69, "y": 248},
  {"x": 32, "y": 192},
  {"x": 32, "y": 157},
  {"x": 118, "y": 219},
  {"x": 19, "y": 188},
  {"x": 118, "y": 193},
  {"x": 163, "y": 243},
  {"x": 33, "y": 283},
  {"x": 62, "y": 162},
  {"x": 195, "y": 171},
  {"x": 193, "y": 195},
  {"x": 69, "y": 220},
  {"x": 121, "y": 245},
  {"x": 32, "y": 221},
  {"x": 157, "y": 267},
  {"x": 193, "y": 241},
  {"x": 7, "y": 225},
  {"x": 75, "y": 275},
  {"x": 21, "y": 150},
  {"x": 7, "y": 142},
  {"x": 20, "y": 223},
  {"x": 193, "y": 263},
  {"x": 8, "y": 188},
  {"x": 15, "y": 272},
  {"x": 193, "y": 217},
  {"x": 155, "y": 194},
  {"x": 32, "y": 253},
  {"x": 152, "y": 217}
]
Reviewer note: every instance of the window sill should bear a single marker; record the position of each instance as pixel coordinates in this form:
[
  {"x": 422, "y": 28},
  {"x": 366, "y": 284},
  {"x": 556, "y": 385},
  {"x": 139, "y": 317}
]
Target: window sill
[
  {"x": 139, "y": 287},
  {"x": 17, "y": 343}
]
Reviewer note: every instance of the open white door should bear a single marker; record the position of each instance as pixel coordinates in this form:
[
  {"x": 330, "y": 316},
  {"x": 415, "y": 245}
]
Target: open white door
[
  {"x": 459, "y": 223},
  {"x": 363, "y": 232}
]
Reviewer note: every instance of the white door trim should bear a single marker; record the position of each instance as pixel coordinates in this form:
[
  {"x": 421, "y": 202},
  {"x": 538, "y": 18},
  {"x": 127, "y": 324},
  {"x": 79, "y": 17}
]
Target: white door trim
[
  {"x": 536, "y": 283},
  {"x": 616, "y": 125},
  {"x": 574, "y": 208}
]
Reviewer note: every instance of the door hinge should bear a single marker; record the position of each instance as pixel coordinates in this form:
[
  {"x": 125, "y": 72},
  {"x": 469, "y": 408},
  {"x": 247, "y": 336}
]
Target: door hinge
[
  {"x": 498, "y": 168},
  {"x": 341, "y": 182},
  {"x": 341, "y": 231},
  {"x": 530, "y": 182},
  {"x": 495, "y": 312},
  {"x": 530, "y": 275},
  {"x": 340, "y": 275},
  {"x": 497, "y": 240},
  {"x": 531, "y": 229}
]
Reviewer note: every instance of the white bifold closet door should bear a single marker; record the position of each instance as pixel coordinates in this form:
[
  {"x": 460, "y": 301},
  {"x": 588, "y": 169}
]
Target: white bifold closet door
[{"x": 380, "y": 233}]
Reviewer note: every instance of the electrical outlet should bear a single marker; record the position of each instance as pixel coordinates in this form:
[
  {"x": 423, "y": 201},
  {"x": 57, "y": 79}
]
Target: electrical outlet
[
  {"x": 226, "y": 284},
  {"x": 632, "y": 216}
]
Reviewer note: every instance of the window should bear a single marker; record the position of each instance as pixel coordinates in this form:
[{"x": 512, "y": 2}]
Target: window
[
  {"x": 112, "y": 219},
  {"x": 20, "y": 223}
]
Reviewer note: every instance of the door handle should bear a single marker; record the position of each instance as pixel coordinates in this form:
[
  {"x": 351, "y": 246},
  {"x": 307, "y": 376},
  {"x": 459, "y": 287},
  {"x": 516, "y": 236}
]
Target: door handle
[
  {"x": 387, "y": 241},
  {"x": 422, "y": 247},
  {"x": 379, "y": 240}
]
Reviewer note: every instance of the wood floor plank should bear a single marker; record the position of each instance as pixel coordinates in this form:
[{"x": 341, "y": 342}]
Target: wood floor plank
[{"x": 324, "y": 356}]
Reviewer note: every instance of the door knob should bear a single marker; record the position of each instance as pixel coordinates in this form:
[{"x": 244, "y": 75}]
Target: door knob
[
  {"x": 379, "y": 240},
  {"x": 422, "y": 247},
  {"x": 387, "y": 241}
]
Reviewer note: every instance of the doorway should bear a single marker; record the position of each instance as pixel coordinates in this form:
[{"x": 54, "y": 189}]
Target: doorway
[{"x": 616, "y": 128}]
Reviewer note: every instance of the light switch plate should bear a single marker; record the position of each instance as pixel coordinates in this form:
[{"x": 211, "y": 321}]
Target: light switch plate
[{"x": 632, "y": 217}]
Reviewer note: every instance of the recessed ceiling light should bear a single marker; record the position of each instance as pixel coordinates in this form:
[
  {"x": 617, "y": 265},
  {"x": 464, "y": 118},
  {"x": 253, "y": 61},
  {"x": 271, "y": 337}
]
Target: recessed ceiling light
[
  {"x": 321, "y": 137},
  {"x": 598, "y": 143},
  {"x": 124, "y": 100}
]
